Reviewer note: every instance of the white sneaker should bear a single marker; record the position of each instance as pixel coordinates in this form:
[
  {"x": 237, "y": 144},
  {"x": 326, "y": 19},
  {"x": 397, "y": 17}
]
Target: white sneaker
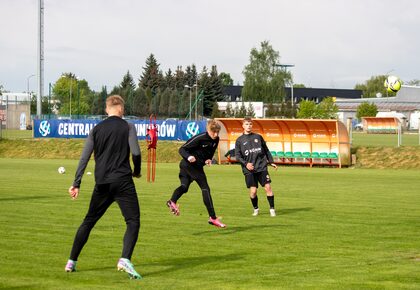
[
  {"x": 256, "y": 211},
  {"x": 272, "y": 212}
]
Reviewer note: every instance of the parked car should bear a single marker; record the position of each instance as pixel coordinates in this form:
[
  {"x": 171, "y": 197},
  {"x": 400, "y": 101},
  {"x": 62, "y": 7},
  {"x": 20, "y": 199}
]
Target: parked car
[{"x": 358, "y": 127}]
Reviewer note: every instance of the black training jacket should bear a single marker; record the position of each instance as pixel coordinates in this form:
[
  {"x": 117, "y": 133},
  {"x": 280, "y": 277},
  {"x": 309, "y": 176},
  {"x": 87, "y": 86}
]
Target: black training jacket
[
  {"x": 111, "y": 142},
  {"x": 251, "y": 148},
  {"x": 201, "y": 146}
]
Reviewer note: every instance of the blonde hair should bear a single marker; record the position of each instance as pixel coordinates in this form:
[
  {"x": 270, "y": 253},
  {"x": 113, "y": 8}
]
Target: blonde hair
[
  {"x": 115, "y": 100},
  {"x": 213, "y": 126},
  {"x": 247, "y": 119}
]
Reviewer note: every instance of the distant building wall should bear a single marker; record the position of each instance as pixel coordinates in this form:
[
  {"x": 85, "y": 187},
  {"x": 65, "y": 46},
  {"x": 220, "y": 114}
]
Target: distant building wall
[{"x": 18, "y": 116}]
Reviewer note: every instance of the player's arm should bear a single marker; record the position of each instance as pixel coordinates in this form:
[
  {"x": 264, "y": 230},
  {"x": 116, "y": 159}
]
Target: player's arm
[
  {"x": 134, "y": 149},
  {"x": 190, "y": 146},
  {"x": 211, "y": 152},
  {"x": 268, "y": 154},
  {"x": 238, "y": 153},
  {"x": 83, "y": 162}
]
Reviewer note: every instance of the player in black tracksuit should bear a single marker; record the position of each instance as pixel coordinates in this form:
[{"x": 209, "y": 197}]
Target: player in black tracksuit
[
  {"x": 111, "y": 142},
  {"x": 197, "y": 152},
  {"x": 253, "y": 154}
]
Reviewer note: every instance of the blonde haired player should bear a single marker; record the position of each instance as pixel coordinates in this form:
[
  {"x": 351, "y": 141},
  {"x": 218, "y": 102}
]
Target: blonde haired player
[
  {"x": 111, "y": 141},
  {"x": 197, "y": 152}
]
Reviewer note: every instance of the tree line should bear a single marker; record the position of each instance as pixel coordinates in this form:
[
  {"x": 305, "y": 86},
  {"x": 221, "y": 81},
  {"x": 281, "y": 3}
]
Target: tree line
[{"x": 168, "y": 95}]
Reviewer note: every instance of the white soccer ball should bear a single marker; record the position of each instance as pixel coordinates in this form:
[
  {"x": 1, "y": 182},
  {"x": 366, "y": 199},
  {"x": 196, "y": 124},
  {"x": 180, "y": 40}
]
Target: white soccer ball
[
  {"x": 61, "y": 170},
  {"x": 392, "y": 84}
]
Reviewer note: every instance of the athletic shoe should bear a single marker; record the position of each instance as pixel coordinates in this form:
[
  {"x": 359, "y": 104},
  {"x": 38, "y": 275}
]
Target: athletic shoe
[
  {"x": 272, "y": 212},
  {"x": 256, "y": 211},
  {"x": 70, "y": 266},
  {"x": 216, "y": 222},
  {"x": 126, "y": 266},
  {"x": 173, "y": 207}
]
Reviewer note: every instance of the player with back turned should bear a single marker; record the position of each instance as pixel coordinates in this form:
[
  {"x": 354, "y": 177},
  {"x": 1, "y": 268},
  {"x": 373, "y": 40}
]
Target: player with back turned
[
  {"x": 252, "y": 153},
  {"x": 111, "y": 141}
]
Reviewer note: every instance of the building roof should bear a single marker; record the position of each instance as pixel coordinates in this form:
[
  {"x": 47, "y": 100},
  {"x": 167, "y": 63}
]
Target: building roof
[
  {"x": 407, "y": 99},
  {"x": 302, "y": 93},
  {"x": 14, "y": 97}
]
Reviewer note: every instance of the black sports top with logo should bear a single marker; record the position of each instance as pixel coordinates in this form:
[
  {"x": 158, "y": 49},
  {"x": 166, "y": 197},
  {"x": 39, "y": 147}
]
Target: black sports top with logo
[
  {"x": 201, "y": 146},
  {"x": 251, "y": 148}
]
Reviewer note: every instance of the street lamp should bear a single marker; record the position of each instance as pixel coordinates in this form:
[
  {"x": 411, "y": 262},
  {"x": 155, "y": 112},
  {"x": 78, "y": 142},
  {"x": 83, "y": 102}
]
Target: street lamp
[
  {"x": 284, "y": 67},
  {"x": 71, "y": 83},
  {"x": 27, "y": 85},
  {"x": 190, "y": 89},
  {"x": 196, "y": 103}
]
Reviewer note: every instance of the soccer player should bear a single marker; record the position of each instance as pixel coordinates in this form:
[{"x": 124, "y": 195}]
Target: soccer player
[
  {"x": 252, "y": 152},
  {"x": 197, "y": 152},
  {"x": 111, "y": 142}
]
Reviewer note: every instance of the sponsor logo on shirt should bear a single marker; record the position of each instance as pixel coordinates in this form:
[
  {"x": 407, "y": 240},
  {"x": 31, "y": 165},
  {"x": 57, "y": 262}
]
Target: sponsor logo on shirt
[{"x": 252, "y": 150}]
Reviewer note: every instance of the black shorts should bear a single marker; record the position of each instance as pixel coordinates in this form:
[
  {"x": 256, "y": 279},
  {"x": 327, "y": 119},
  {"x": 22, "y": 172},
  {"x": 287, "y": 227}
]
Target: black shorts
[{"x": 253, "y": 179}]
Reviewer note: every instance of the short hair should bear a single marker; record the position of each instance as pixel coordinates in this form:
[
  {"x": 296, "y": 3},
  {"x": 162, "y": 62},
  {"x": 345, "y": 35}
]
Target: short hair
[
  {"x": 247, "y": 119},
  {"x": 115, "y": 100},
  {"x": 213, "y": 126}
]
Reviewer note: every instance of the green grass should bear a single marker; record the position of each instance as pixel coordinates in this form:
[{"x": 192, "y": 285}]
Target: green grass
[
  {"x": 335, "y": 229},
  {"x": 15, "y": 134},
  {"x": 387, "y": 140}
]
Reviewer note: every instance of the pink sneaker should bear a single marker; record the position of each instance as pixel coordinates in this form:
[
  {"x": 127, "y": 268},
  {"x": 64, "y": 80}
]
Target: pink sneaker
[
  {"x": 173, "y": 207},
  {"x": 70, "y": 266},
  {"x": 216, "y": 222}
]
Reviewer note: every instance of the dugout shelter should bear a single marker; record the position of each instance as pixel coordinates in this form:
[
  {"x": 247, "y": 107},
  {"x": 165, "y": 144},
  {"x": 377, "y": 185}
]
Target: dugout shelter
[
  {"x": 380, "y": 125},
  {"x": 292, "y": 141}
]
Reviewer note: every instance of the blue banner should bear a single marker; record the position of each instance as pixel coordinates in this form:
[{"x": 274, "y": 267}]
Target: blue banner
[{"x": 167, "y": 129}]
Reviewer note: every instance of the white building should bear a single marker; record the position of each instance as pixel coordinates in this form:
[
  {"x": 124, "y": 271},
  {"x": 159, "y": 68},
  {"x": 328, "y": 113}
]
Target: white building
[
  {"x": 258, "y": 107},
  {"x": 406, "y": 103},
  {"x": 14, "y": 98}
]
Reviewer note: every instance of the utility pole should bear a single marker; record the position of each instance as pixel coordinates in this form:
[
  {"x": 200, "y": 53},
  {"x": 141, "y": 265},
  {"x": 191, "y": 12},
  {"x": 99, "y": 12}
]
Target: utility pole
[{"x": 40, "y": 57}]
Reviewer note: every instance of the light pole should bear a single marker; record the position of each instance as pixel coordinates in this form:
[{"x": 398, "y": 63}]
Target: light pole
[
  {"x": 284, "y": 67},
  {"x": 196, "y": 95},
  {"x": 71, "y": 83},
  {"x": 27, "y": 85},
  {"x": 189, "y": 88}
]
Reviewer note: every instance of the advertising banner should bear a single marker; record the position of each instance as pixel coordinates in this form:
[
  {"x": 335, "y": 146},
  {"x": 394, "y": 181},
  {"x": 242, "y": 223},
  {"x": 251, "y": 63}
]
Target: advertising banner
[{"x": 167, "y": 129}]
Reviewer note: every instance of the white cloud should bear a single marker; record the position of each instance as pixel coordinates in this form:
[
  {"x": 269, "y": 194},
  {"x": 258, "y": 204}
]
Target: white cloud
[{"x": 332, "y": 43}]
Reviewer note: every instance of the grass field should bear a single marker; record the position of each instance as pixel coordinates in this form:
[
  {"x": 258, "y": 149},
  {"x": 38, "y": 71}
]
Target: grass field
[
  {"x": 335, "y": 229},
  {"x": 16, "y": 134},
  {"x": 385, "y": 140},
  {"x": 359, "y": 139}
]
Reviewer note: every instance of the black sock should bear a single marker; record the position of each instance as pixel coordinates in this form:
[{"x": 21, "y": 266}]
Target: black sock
[
  {"x": 271, "y": 201},
  {"x": 255, "y": 202}
]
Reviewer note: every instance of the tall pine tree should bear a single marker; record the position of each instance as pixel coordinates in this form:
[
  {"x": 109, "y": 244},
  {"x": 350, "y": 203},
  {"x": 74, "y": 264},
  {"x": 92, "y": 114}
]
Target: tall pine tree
[{"x": 152, "y": 77}]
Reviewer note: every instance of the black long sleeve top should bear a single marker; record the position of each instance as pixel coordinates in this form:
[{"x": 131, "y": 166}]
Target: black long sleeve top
[
  {"x": 201, "y": 146},
  {"x": 111, "y": 141},
  {"x": 251, "y": 148}
]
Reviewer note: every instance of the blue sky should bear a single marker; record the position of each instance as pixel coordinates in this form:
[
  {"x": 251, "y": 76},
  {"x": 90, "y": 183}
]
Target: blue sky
[{"x": 333, "y": 44}]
